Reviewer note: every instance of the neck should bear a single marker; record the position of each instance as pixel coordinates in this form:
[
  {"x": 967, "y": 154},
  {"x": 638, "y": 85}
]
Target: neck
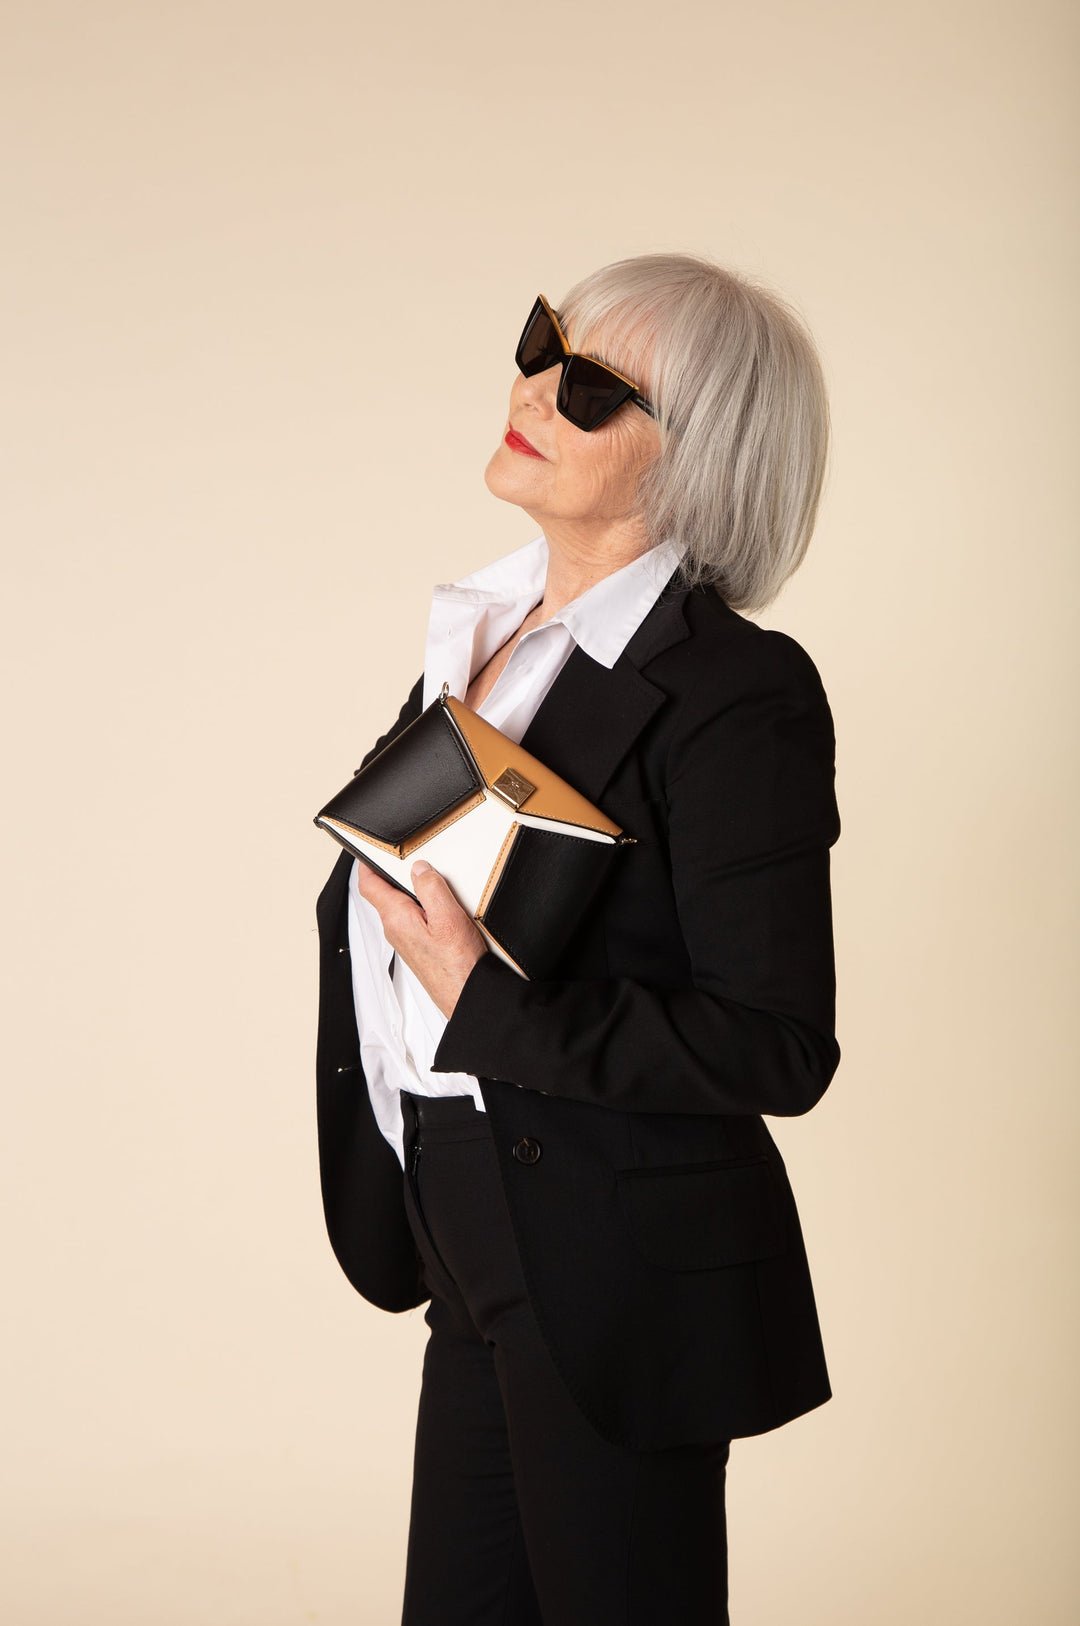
[{"x": 577, "y": 562}]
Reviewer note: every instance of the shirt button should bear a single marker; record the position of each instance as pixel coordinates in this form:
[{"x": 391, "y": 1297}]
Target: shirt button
[{"x": 526, "y": 1150}]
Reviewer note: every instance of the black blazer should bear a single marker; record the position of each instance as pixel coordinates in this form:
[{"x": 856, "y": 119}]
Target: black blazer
[{"x": 657, "y": 1229}]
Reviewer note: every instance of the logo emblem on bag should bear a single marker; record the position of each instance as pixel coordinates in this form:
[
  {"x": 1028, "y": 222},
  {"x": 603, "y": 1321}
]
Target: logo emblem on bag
[{"x": 513, "y": 788}]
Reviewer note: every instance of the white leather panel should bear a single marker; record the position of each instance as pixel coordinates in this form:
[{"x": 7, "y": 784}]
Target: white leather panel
[{"x": 466, "y": 850}]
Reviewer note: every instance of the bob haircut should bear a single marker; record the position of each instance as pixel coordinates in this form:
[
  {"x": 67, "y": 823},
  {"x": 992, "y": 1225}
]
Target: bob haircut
[{"x": 741, "y": 406}]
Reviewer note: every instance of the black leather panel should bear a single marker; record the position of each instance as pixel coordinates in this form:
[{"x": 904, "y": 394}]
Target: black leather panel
[
  {"x": 547, "y": 884},
  {"x": 421, "y": 774}
]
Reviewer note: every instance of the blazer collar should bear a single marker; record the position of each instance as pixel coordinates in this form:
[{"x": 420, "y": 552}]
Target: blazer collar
[{"x": 592, "y": 714}]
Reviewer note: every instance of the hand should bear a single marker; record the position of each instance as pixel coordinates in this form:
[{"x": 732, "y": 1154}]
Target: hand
[{"x": 437, "y": 940}]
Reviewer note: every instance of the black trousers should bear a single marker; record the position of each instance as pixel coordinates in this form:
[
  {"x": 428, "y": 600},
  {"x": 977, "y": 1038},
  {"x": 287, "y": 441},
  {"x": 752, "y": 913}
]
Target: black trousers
[{"x": 522, "y": 1514}]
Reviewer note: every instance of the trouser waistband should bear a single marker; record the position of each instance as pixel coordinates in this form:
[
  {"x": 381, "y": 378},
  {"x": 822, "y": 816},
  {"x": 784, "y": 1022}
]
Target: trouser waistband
[{"x": 456, "y": 1116}]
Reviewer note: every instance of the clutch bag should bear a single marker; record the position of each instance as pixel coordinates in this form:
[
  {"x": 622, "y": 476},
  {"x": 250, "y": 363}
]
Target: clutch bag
[{"x": 523, "y": 851}]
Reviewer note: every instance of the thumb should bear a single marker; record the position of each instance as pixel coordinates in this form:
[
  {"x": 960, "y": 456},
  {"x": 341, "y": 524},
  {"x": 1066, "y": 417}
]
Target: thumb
[
  {"x": 427, "y": 879},
  {"x": 434, "y": 893},
  {"x": 444, "y": 911}
]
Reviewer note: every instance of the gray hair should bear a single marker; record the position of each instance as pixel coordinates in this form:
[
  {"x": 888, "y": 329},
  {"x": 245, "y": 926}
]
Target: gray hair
[{"x": 742, "y": 409}]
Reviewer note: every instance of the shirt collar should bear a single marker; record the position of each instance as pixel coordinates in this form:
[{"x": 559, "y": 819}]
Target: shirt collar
[{"x": 602, "y": 620}]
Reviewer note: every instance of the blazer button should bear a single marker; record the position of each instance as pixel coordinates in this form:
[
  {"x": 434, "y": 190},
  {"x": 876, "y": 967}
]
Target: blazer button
[{"x": 526, "y": 1150}]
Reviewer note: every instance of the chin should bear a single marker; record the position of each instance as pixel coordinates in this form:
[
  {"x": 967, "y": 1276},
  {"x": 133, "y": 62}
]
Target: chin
[{"x": 511, "y": 477}]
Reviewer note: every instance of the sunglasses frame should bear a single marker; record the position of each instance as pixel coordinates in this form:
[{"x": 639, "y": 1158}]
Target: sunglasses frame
[{"x": 624, "y": 388}]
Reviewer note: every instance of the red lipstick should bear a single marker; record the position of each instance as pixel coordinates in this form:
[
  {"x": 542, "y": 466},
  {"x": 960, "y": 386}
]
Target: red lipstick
[{"x": 518, "y": 443}]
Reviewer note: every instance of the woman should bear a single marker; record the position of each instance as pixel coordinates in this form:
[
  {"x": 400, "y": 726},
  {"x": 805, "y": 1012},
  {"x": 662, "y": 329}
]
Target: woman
[{"x": 575, "y": 1171}]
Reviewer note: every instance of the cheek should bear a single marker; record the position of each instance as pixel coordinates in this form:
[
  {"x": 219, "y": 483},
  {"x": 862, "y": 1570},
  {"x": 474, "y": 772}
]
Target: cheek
[
  {"x": 617, "y": 462},
  {"x": 604, "y": 484}
]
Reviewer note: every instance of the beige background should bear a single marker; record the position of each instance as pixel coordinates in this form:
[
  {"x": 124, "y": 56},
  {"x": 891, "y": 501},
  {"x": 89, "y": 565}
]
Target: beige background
[{"x": 264, "y": 267}]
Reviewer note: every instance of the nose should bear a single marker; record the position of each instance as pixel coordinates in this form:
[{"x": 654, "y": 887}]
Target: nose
[{"x": 540, "y": 391}]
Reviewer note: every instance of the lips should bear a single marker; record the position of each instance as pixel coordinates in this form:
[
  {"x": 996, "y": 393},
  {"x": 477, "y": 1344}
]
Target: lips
[{"x": 518, "y": 443}]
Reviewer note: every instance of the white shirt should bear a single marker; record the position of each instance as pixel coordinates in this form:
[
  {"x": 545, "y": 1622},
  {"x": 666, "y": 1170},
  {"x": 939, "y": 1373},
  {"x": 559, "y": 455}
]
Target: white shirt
[{"x": 398, "y": 1022}]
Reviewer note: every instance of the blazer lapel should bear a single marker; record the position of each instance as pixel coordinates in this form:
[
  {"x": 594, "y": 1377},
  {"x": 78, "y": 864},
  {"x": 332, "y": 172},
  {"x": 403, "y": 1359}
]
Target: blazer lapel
[{"x": 592, "y": 714}]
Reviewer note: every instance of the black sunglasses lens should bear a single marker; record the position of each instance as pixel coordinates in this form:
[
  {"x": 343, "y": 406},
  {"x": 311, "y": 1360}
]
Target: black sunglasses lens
[
  {"x": 539, "y": 347},
  {"x": 589, "y": 393}
]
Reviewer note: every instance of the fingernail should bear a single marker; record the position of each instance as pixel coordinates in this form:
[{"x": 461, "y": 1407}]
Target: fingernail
[{"x": 421, "y": 867}]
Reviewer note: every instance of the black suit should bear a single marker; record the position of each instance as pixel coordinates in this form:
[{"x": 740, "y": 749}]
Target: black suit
[{"x": 657, "y": 1230}]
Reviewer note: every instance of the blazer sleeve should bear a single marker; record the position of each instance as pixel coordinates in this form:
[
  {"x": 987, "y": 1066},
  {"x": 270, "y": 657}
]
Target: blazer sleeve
[
  {"x": 749, "y": 786},
  {"x": 410, "y": 711}
]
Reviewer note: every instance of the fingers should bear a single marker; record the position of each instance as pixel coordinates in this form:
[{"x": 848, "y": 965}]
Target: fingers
[
  {"x": 435, "y": 902},
  {"x": 435, "y": 909},
  {"x": 373, "y": 886},
  {"x": 391, "y": 903},
  {"x": 451, "y": 931},
  {"x": 435, "y": 937}
]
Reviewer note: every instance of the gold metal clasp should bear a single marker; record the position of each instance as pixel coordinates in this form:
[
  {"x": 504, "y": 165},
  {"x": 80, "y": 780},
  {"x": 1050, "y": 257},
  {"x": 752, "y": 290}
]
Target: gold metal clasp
[{"x": 513, "y": 788}]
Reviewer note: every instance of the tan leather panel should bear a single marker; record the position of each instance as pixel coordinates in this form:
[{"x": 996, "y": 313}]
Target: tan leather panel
[
  {"x": 496, "y": 870},
  {"x": 354, "y": 829},
  {"x": 553, "y": 798},
  {"x": 502, "y": 950}
]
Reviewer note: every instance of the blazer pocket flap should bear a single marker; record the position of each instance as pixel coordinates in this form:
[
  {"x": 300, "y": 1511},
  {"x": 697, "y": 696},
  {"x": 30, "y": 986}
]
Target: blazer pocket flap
[{"x": 703, "y": 1216}]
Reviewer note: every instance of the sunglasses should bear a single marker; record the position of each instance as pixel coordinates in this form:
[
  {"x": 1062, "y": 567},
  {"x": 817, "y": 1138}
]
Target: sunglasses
[{"x": 589, "y": 392}]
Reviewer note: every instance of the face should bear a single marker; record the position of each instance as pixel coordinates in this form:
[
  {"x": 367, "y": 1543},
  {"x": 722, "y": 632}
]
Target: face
[{"x": 562, "y": 476}]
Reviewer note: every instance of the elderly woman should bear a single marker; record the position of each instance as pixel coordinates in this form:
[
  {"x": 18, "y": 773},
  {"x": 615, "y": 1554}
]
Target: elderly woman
[{"x": 573, "y": 1172}]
